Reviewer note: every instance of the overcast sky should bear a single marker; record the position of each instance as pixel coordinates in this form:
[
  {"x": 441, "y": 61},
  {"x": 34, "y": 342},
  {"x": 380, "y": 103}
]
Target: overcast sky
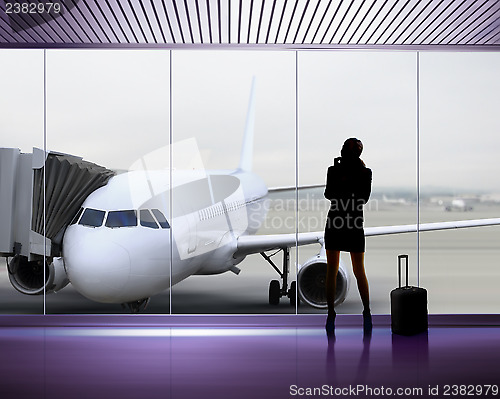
[{"x": 113, "y": 106}]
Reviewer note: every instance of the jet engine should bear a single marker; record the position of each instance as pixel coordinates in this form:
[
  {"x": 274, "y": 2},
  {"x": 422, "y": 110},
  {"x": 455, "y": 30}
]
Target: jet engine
[
  {"x": 311, "y": 282},
  {"x": 28, "y": 276}
]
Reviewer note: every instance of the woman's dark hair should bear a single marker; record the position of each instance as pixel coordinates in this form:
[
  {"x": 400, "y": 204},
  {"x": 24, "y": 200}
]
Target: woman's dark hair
[{"x": 352, "y": 148}]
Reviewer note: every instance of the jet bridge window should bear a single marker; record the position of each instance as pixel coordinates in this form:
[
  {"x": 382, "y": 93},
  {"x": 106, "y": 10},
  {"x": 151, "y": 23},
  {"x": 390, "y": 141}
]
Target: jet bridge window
[
  {"x": 161, "y": 218},
  {"x": 121, "y": 219},
  {"x": 92, "y": 217},
  {"x": 147, "y": 219}
]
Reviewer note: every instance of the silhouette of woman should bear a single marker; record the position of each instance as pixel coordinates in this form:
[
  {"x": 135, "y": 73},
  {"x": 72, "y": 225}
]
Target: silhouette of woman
[{"x": 348, "y": 187}]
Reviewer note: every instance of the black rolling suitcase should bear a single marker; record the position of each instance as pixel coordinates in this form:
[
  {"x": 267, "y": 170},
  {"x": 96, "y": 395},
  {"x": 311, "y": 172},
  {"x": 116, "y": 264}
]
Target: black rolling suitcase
[{"x": 408, "y": 306}]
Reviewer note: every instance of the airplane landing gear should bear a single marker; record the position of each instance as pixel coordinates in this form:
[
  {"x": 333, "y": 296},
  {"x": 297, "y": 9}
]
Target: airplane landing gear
[
  {"x": 137, "y": 306},
  {"x": 276, "y": 291}
]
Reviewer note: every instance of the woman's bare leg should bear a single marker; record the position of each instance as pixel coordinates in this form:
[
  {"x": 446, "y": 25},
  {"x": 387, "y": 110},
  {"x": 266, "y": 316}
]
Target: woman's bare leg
[
  {"x": 332, "y": 268},
  {"x": 358, "y": 267}
]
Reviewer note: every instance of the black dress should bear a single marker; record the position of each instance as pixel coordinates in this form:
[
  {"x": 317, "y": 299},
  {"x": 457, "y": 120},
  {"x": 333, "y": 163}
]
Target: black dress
[{"x": 348, "y": 187}]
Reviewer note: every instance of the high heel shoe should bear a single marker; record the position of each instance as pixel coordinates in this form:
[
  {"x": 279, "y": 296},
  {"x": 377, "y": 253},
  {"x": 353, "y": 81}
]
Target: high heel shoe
[
  {"x": 367, "y": 321},
  {"x": 330, "y": 323}
]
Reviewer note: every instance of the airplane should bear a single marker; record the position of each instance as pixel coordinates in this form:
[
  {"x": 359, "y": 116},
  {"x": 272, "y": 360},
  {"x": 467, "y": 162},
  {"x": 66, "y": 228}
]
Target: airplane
[
  {"x": 458, "y": 204},
  {"x": 394, "y": 201},
  {"x": 147, "y": 230}
]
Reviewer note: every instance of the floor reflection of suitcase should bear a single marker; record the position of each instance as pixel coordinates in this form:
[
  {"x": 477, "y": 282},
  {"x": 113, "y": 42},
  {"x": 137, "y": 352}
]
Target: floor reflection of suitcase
[{"x": 408, "y": 306}]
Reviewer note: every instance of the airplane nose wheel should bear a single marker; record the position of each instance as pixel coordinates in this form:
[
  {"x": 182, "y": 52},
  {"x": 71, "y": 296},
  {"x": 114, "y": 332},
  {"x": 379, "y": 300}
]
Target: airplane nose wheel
[
  {"x": 277, "y": 290},
  {"x": 274, "y": 292},
  {"x": 137, "y": 306}
]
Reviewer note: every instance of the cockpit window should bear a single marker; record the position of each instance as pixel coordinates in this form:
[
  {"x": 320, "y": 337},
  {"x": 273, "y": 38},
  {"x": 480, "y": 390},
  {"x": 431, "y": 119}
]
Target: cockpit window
[
  {"x": 161, "y": 218},
  {"x": 147, "y": 219},
  {"x": 92, "y": 218},
  {"x": 77, "y": 216},
  {"x": 121, "y": 219}
]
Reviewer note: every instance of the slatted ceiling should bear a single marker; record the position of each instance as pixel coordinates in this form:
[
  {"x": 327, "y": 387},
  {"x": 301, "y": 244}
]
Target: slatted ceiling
[
  {"x": 314, "y": 24},
  {"x": 493, "y": 29},
  {"x": 203, "y": 26},
  {"x": 460, "y": 22},
  {"x": 176, "y": 23},
  {"x": 198, "y": 18},
  {"x": 468, "y": 24},
  {"x": 219, "y": 21},
  {"x": 477, "y": 26},
  {"x": 104, "y": 23},
  {"x": 250, "y": 19},
  {"x": 74, "y": 20},
  {"x": 296, "y": 23},
  {"x": 288, "y": 14},
  {"x": 417, "y": 27},
  {"x": 157, "y": 24},
  {"x": 309, "y": 19},
  {"x": 443, "y": 20},
  {"x": 256, "y": 16},
  {"x": 161, "y": 22},
  {"x": 352, "y": 20},
  {"x": 104, "y": 19},
  {"x": 366, "y": 22},
  {"x": 403, "y": 24},
  {"x": 182, "y": 22},
  {"x": 64, "y": 30},
  {"x": 266, "y": 18},
  {"x": 331, "y": 20},
  {"x": 208, "y": 22}
]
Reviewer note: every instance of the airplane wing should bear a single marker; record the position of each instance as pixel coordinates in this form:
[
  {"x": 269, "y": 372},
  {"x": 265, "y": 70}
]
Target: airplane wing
[
  {"x": 293, "y": 188},
  {"x": 259, "y": 243}
]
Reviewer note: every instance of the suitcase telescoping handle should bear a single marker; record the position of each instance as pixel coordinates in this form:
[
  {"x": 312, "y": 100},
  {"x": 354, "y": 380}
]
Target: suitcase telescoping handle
[{"x": 400, "y": 257}]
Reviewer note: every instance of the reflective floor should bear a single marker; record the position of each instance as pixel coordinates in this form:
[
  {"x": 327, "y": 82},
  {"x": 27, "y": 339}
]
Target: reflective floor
[{"x": 244, "y": 357}]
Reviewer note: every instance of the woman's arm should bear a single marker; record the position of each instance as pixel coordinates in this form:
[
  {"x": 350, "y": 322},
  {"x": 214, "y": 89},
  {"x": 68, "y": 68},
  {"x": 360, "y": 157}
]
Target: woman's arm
[
  {"x": 365, "y": 187},
  {"x": 332, "y": 186}
]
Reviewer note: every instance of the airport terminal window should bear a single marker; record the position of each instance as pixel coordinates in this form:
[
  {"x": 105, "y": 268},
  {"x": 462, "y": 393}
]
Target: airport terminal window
[
  {"x": 147, "y": 219},
  {"x": 161, "y": 218},
  {"x": 77, "y": 216},
  {"x": 121, "y": 219},
  {"x": 92, "y": 218}
]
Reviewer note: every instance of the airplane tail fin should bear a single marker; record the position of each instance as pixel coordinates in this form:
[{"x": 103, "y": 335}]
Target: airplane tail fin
[{"x": 246, "y": 158}]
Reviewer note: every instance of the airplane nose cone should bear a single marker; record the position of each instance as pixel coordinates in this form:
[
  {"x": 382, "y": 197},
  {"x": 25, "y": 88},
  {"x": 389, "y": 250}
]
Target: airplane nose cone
[{"x": 98, "y": 269}]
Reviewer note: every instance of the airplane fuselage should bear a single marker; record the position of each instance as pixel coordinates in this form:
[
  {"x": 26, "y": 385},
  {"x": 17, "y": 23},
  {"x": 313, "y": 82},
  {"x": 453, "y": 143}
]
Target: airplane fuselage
[{"x": 148, "y": 230}]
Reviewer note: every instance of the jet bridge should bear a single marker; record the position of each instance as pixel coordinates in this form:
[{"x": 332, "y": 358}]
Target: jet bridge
[{"x": 30, "y": 183}]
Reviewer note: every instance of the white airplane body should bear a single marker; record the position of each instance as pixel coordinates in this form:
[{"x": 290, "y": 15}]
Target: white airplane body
[
  {"x": 395, "y": 201},
  {"x": 135, "y": 260},
  {"x": 458, "y": 204}
]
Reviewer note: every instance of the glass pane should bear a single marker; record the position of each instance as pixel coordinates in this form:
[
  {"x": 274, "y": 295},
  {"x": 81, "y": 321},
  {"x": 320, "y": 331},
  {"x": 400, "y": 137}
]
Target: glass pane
[
  {"x": 147, "y": 219},
  {"x": 459, "y": 149},
  {"x": 108, "y": 127},
  {"x": 21, "y": 214},
  {"x": 370, "y": 96},
  {"x": 221, "y": 176},
  {"x": 121, "y": 219},
  {"x": 160, "y": 217},
  {"x": 92, "y": 218}
]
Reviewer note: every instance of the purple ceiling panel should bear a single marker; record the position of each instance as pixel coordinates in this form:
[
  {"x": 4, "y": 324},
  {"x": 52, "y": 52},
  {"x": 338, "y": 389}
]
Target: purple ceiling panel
[{"x": 298, "y": 24}]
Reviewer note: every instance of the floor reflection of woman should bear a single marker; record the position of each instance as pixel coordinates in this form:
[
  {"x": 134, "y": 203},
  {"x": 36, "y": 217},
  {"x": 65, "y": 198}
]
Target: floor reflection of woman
[{"x": 348, "y": 187}]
